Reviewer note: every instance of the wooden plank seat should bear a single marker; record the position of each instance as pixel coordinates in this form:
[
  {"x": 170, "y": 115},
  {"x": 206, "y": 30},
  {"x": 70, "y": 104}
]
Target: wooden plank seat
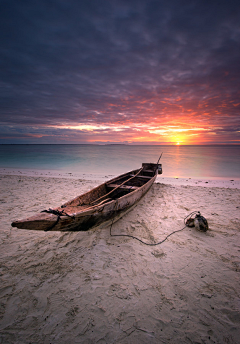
[
  {"x": 128, "y": 187},
  {"x": 144, "y": 177}
]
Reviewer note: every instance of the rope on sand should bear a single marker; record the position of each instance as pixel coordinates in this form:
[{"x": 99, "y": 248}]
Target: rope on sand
[{"x": 186, "y": 222}]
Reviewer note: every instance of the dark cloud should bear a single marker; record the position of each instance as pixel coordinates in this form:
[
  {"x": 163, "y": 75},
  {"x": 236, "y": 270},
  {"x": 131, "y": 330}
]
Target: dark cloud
[{"x": 116, "y": 61}]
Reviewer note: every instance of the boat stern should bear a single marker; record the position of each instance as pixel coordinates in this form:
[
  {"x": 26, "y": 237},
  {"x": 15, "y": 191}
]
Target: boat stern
[
  {"x": 151, "y": 167},
  {"x": 159, "y": 167}
]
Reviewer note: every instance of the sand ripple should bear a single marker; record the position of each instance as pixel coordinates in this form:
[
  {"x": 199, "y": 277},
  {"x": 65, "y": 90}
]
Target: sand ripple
[{"x": 88, "y": 287}]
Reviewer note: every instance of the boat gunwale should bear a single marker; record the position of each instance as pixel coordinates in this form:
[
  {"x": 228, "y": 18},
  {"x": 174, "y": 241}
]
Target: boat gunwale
[
  {"x": 95, "y": 188},
  {"x": 95, "y": 208}
]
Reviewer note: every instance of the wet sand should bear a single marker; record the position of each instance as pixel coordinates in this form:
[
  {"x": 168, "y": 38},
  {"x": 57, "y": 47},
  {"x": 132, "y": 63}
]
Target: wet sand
[{"x": 89, "y": 287}]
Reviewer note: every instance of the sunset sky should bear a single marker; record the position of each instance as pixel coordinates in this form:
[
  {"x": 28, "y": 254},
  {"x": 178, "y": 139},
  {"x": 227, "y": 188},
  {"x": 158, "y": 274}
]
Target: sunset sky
[{"x": 120, "y": 71}]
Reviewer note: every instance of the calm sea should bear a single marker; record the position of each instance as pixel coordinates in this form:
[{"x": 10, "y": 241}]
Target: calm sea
[{"x": 207, "y": 162}]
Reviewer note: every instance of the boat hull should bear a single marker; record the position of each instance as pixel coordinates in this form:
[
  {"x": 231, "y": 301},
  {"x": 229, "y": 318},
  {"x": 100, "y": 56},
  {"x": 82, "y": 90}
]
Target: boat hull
[{"x": 93, "y": 215}]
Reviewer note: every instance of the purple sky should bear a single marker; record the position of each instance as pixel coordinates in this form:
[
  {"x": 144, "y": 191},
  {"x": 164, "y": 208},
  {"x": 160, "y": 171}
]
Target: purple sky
[{"x": 136, "y": 71}]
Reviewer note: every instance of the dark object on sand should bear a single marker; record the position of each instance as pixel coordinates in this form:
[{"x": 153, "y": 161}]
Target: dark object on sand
[
  {"x": 190, "y": 222},
  {"x": 107, "y": 201},
  {"x": 199, "y": 222}
]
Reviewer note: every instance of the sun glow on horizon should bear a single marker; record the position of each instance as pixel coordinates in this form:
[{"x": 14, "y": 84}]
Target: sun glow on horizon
[{"x": 167, "y": 133}]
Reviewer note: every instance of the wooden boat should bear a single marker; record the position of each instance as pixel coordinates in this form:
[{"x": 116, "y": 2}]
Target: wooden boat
[{"x": 108, "y": 201}]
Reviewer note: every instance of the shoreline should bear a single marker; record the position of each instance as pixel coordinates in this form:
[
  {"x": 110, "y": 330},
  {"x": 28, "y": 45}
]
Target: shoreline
[{"x": 204, "y": 182}]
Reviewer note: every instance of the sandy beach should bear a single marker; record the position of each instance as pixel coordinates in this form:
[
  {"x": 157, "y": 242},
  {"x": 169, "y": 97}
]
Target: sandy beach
[{"x": 89, "y": 287}]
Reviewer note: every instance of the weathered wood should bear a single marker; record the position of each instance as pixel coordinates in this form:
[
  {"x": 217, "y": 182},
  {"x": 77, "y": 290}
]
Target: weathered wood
[
  {"x": 118, "y": 186},
  {"x": 144, "y": 177},
  {"x": 129, "y": 187},
  {"x": 81, "y": 213}
]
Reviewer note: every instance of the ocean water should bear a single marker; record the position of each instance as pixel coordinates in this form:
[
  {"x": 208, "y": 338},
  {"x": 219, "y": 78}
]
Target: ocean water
[{"x": 205, "y": 162}]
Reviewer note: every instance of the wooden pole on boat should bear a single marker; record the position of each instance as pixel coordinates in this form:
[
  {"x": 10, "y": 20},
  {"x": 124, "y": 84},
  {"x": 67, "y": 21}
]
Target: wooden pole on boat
[
  {"x": 159, "y": 158},
  {"x": 158, "y": 162},
  {"x": 104, "y": 196},
  {"x": 117, "y": 187}
]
